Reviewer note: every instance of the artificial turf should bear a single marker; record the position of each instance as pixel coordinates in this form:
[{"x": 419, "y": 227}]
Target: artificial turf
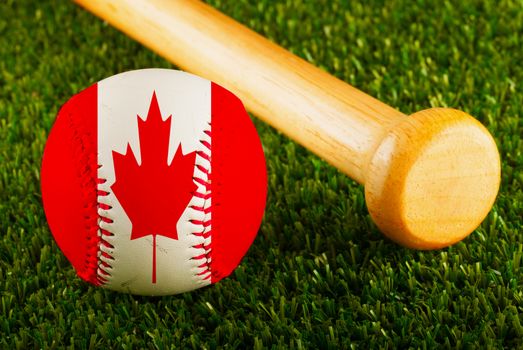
[{"x": 319, "y": 274}]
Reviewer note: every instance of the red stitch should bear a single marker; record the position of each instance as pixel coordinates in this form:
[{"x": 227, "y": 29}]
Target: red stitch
[
  {"x": 202, "y": 246},
  {"x": 103, "y": 272},
  {"x": 203, "y": 155},
  {"x": 205, "y": 210},
  {"x": 202, "y": 182},
  {"x": 201, "y": 195},
  {"x": 205, "y": 264},
  {"x": 201, "y": 222},
  {"x": 102, "y": 193},
  {"x": 199, "y": 257},
  {"x": 106, "y": 244},
  {"x": 100, "y": 279},
  {"x": 202, "y": 169},
  {"x": 206, "y": 223},
  {"x": 105, "y": 219},
  {"x": 206, "y": 144},
  {"x": 104, "y": 264},
  {"x": 201, "y": 234},
  {"x": 106, "y": 233}
]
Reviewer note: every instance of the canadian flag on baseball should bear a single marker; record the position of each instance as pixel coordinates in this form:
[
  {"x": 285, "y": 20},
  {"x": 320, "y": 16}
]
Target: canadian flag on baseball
[{"x": 154, "y": 182}]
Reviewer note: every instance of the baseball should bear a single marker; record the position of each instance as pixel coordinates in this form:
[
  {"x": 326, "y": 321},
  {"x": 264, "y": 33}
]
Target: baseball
[{"x": 153, "y": 182}]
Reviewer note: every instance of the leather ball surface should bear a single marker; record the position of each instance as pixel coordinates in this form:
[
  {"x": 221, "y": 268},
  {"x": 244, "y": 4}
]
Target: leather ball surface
[{"x": 153, "y": 182}]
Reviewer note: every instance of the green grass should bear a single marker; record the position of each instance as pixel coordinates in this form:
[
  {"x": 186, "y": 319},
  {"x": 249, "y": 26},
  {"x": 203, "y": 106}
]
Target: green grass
[{"x": 319, "y": 274}]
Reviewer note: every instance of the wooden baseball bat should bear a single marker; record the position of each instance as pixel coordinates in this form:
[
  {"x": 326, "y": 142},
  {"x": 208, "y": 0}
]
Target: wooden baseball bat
[{"x": 430, "y": 178}]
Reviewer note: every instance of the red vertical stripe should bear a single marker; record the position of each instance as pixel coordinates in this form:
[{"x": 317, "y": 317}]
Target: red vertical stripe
[
  {"x": 69, "y": 180},
  {"x": 239, "y": 182}
]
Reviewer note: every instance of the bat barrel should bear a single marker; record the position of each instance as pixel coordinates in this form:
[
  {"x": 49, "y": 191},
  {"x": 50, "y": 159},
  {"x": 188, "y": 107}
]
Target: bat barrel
[{"x": 430, "y": 178}]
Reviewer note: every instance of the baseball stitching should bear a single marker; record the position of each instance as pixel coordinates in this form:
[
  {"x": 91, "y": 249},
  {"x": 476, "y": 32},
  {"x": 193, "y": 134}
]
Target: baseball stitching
[
  {"x": 81, "y": 141},
  {"x": 105, "y": 249},
  {"x": 202, "y": 177}
]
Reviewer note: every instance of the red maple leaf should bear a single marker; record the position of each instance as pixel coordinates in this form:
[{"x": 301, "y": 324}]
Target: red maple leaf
[{"x": 154, "y": 194}]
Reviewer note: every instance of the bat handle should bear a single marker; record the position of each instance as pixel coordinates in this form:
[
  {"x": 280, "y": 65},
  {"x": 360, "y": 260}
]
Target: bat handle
[{"x": 430, "y": 178}]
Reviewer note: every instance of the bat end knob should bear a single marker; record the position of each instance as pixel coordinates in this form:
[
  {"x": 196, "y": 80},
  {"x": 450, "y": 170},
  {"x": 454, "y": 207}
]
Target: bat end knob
[{"x": 433, "y": 179}]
